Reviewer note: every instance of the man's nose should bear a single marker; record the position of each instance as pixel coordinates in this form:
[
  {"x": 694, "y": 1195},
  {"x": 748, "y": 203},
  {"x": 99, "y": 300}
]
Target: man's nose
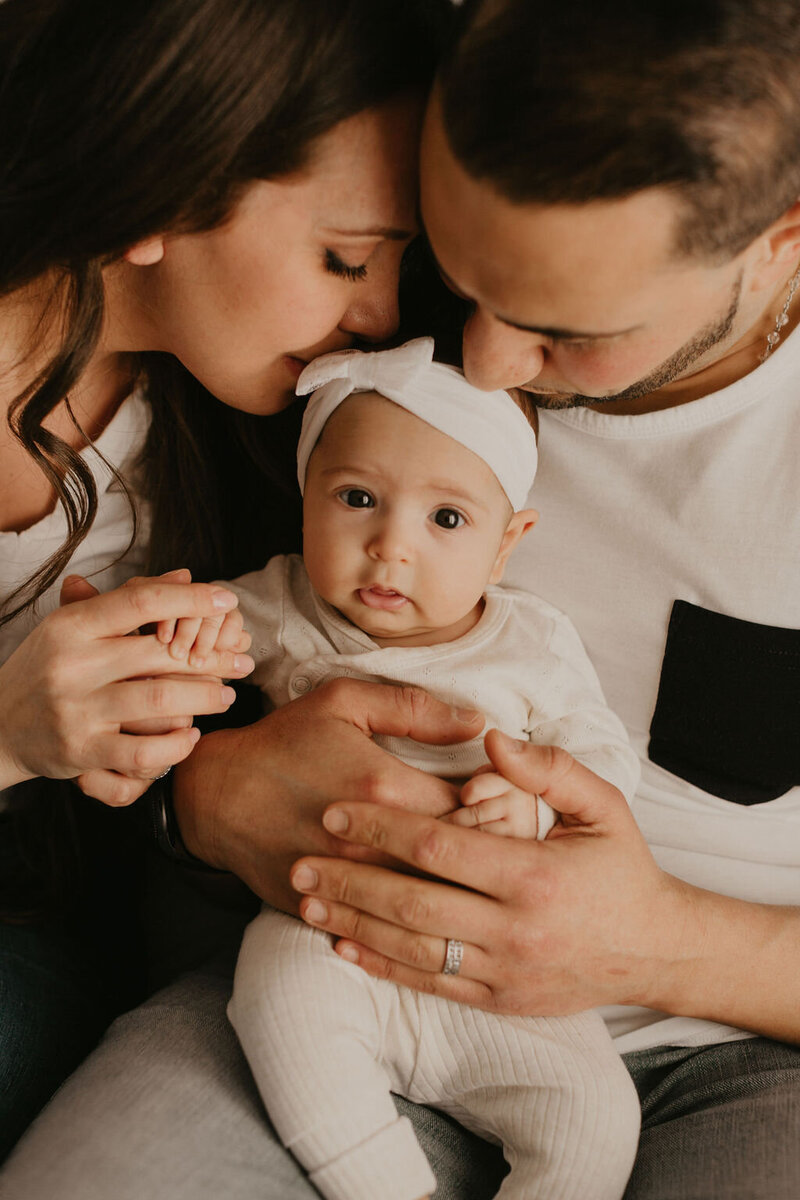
[{"x": 499, "y": 356}]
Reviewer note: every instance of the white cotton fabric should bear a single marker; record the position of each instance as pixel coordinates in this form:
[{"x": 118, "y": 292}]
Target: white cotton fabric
[
  {"x": 699, "y": 503},
  {"x": 522, "y": 665},
  {"x": 327, "y": 1045},
  {"x": 552, "y": 1091},
  {"x": 489, "y": 424}
]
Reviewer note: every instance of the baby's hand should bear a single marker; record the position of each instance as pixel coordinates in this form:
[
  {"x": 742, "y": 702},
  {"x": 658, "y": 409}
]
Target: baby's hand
[
  {"x": 492, "y": 804},
  {"x": 194, "y": 639}
]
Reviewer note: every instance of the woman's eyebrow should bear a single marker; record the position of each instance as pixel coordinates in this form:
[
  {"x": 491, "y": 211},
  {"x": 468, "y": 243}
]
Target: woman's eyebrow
[{"x": 382, "y": 231}]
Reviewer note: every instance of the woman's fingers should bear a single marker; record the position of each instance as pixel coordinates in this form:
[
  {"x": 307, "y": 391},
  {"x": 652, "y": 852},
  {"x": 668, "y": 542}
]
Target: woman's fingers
[
  {"x": 131, "y": 658},
  {"x": 118, "y": 613},
  {"x": 157, "y": 697},
  {"x": 112, "y": 789},
  {"x": 144, "y": 758}
]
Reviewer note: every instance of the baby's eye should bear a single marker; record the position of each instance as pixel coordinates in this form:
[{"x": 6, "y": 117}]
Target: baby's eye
[
  {"x": 448, "y": 518},
  {"x": 356, "y": 498}
]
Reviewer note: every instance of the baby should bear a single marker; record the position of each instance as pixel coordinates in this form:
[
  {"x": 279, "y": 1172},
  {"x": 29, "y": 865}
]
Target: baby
[{"x": 414, "y": 485}]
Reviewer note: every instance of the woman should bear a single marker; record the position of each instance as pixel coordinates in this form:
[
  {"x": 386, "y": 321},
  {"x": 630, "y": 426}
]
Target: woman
[{"x": 197, "y": 197}]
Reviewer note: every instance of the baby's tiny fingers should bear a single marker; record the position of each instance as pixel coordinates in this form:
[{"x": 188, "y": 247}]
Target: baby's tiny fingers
[
  {"x": 165, "y": 631},
  {"x": 185, "y": 635},
  {"x": 205, "y": 641},
  {"x": 232, "y": 632},
  {"x": 484, "y": 812},
  {"x": 483, "y": 787}
]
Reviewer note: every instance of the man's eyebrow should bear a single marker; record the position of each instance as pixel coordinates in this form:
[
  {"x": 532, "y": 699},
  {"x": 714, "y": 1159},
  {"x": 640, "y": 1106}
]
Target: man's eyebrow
[
  {"x": 554, "y": 332},
  {"x": 382, "y": 231}
]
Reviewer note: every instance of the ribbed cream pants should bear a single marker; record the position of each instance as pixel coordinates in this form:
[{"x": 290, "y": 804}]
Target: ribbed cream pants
[{"x": 327, "y": 1045}]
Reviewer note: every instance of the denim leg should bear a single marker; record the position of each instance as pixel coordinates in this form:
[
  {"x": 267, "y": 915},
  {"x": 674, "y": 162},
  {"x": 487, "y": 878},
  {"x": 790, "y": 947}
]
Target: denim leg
[
  {"x": 719, "y": 1122},
  {"x": 52, "y": 1012}
]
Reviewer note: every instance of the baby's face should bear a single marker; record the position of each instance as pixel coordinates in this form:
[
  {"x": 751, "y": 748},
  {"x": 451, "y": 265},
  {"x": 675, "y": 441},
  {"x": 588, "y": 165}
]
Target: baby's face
[{"x": 402, "y": 526}]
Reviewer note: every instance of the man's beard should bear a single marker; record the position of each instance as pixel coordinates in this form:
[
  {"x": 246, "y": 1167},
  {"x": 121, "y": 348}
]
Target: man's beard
[{"x": 672, "y": 369}]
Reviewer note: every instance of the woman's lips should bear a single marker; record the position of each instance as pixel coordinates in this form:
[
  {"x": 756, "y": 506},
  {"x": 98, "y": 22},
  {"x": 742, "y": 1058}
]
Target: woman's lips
[{"x": 385, "y": 598}]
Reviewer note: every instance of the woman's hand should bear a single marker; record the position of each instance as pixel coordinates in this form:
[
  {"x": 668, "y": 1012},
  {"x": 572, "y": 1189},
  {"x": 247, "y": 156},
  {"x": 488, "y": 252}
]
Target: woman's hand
[
  {"x": 251, "y": 800},
  {"x": 581, "y": 919},
  {"x": 77, "y": 680}
]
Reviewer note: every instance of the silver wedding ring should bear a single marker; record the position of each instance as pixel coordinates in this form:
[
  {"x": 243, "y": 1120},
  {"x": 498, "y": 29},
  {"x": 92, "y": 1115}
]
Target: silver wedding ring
[
  {"x": 163, "y": 775},
  {"x": 454, "y": 952}
]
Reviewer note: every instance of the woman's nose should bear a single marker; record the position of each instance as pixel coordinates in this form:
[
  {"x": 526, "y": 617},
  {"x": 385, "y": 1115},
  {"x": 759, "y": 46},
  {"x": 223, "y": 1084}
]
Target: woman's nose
[
  {"x": 499, "y": 356},
  {"x": 374, "y": 311}
]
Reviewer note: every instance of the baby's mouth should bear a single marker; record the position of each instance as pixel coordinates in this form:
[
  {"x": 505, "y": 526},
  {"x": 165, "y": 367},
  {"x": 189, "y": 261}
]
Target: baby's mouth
[{"x": 382, "y": 597}]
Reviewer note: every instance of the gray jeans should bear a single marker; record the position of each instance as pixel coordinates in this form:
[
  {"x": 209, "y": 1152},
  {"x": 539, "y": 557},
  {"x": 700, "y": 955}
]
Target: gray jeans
[{"x": 165, "y": 1109}]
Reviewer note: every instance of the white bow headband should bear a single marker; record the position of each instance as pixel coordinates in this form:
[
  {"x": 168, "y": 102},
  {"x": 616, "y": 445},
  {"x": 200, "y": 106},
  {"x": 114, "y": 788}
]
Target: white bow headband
[{"x": 488, "y": 423}]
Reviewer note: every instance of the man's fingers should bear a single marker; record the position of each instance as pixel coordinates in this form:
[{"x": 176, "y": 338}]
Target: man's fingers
[
  {"x": 459, "y": 988},
  {"x": 399, "y": 711},
  {"x": 421, "y": 950},
  {"x": 429, "y": 845},
  {"x": 364, "y": 897},
  {"x": 550, "y": 772}
]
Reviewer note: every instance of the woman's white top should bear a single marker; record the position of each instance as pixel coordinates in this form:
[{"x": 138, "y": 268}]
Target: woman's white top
[{"x": 22, "y": 553}]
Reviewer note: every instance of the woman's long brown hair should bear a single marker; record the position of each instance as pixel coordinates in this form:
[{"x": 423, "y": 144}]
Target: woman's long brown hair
[{"x": 150, "y": 117}]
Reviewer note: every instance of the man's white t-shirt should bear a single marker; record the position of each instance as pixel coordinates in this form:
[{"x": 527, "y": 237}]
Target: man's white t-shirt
[{"x": 700, "y": 505}]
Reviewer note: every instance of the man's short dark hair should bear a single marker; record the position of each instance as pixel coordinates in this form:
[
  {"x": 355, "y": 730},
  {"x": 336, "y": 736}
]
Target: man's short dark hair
[{"x": 569, "y": 101}]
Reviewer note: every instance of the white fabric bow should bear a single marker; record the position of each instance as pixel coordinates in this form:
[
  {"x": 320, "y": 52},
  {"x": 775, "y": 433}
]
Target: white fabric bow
[{"x": 488, "y": 423}]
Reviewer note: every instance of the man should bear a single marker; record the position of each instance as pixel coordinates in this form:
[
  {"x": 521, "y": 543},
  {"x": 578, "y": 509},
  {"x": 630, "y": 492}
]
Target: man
[
  {"x": 614, "y": 191},
  {"x": 612, "y": 187}
]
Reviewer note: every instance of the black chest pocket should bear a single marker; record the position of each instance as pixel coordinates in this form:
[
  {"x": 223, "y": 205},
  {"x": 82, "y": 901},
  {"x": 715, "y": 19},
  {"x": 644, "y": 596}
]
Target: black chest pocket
[{"x": 727, "y": 718}]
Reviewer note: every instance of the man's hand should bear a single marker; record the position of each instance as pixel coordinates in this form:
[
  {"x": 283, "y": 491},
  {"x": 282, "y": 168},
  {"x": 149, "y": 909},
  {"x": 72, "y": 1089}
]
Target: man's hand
[
  {"x": 581, "y": 919},
  {"x": 251, "y": 800}
]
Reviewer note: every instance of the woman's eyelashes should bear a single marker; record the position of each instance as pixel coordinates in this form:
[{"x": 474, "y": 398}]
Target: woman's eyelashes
[{"x": 335, "y": 266}]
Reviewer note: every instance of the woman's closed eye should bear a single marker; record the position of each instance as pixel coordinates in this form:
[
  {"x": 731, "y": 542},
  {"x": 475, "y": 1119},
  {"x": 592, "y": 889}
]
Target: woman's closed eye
[
  {"x": 336, "y": 266},
  {"x": 448, "y": 518},
  {"x": 357, "y": 498}
]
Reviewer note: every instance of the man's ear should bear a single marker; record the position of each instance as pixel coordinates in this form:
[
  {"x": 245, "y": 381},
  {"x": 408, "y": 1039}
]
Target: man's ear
[
  {"x": 780, "y": 248},
  {"x": 145, "y": 253},
  {"x": 517, "y": 527}
]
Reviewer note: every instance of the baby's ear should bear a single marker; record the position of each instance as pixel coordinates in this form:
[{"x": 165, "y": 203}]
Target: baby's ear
[{"x": 516, "y": 529}]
